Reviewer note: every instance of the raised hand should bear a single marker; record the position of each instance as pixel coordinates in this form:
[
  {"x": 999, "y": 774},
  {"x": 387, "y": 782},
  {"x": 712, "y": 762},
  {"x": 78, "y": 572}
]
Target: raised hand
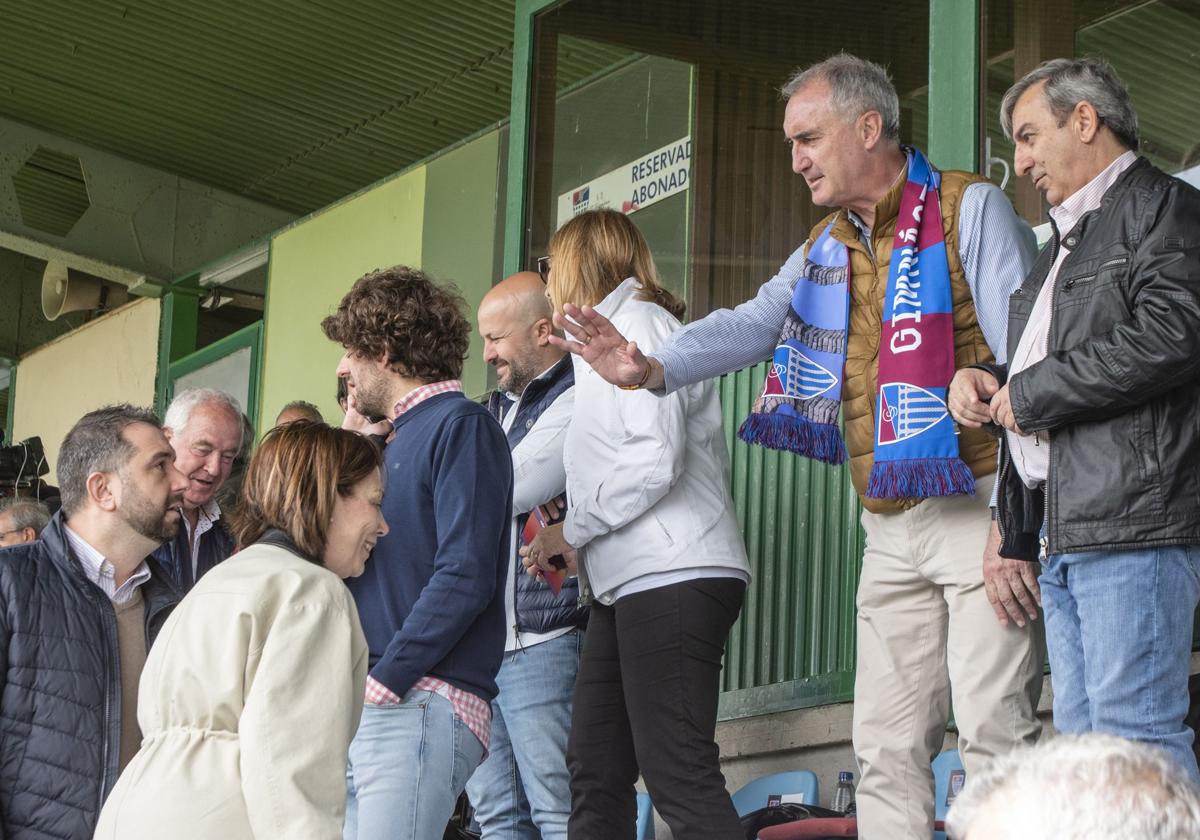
[{"x": 593, "y": 337}]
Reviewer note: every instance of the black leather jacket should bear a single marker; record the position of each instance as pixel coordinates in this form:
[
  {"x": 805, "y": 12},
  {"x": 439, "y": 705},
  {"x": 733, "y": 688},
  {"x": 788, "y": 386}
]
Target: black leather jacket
[{"x": 1119, "y": 391}]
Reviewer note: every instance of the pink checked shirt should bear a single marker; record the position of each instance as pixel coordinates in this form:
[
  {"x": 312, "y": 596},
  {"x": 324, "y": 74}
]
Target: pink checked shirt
[{"x": 473, "y": 711}]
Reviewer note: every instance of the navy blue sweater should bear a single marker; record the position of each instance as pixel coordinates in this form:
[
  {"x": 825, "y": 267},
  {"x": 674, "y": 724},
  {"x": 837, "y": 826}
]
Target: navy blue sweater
[{"x": 431, "y": 598}]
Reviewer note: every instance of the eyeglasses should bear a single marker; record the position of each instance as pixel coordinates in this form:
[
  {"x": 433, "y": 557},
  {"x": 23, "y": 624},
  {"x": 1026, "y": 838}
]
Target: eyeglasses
[{"x": 543, "y": 268}]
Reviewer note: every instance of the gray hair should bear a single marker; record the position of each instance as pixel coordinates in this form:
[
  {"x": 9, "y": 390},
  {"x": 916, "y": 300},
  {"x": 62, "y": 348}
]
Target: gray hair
[
  {"x": 179, "y": 412},
  {"x": 855, "y": 86},
  {"x": 1070, "y": 81},
  {"x": 303, "y": 406},
  {"x": 1078, "y": 787},
  {"x": 26, "y": 513},
  {"x": 97, "y": 443}
]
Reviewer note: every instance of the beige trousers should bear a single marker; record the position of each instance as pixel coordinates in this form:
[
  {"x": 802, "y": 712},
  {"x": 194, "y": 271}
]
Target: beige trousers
[{"x": 926, "y": 633}]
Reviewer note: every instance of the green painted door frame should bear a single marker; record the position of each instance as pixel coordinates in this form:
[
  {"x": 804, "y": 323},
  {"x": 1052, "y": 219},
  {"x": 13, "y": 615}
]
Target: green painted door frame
[
  {"x": 953, "y": 131},
  {"x": 519, "y": 132},
  {"x": 250, "y": 336},
  {"x": 954, "y": 84},
  {"x": 11, "y": 364}
]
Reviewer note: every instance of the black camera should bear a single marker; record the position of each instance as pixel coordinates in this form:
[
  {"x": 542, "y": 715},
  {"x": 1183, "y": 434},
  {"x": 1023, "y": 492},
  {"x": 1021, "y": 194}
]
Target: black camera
[{"x": 24, "y": 461}]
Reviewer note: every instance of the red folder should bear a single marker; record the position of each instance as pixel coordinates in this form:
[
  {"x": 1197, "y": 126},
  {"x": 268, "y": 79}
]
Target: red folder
[{"x": 536, "y": 522}]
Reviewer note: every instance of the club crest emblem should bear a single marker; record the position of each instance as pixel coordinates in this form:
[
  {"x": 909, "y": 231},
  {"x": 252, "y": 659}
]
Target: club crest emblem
[
  {"x": 795, "y": 376},
  {"x": 906, "y": 411}
]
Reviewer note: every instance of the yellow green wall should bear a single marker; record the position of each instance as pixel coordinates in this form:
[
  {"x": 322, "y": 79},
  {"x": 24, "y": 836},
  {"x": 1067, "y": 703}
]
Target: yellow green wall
[
  {"x": 439, "y": 216},
  {"x": 112, "y": 359},
  {"x": 313, "y": 264}
]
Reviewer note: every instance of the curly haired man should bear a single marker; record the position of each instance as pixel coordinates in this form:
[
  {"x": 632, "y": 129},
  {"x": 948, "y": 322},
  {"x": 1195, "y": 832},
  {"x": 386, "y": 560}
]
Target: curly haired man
[{"x": 431, "y": 599}]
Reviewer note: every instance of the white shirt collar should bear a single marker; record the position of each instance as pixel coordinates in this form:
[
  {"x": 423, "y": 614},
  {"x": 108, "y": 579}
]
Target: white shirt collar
[
  {"x": 101, "y": 572},
  {"x": 1088, "y": 197}
]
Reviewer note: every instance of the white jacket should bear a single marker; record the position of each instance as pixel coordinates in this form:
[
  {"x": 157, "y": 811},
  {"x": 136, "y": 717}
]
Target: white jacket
[
  {"x": 647, "y": 476},
  {"x": 247, "y": 705}
]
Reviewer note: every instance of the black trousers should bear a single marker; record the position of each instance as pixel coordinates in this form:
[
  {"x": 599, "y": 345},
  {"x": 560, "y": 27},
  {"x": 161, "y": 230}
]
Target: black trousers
[{"x": 646, "y": 697}]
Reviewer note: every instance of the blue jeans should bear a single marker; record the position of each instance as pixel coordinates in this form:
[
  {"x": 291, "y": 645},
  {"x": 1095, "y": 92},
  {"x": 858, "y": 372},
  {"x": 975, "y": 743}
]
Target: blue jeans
[
  {"x": 408, "y": 764},
  {"x": 522, "y": 790},
  {"x": 1119, "y": 635}
]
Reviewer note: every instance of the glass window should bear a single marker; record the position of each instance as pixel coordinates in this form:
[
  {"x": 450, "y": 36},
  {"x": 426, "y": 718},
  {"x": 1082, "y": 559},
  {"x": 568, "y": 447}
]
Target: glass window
[
  {"x": 671, "y": 111},
  {"x": 1151, "y": 45}
]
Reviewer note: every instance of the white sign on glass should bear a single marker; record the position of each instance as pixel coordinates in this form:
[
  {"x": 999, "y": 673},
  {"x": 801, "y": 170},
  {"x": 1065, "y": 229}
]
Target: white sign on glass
[{"x": 641, "y": 182}]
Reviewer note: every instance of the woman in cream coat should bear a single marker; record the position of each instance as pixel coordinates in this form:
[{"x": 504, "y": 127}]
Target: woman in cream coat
[
  {"x": 651, "y": 521},
  {"x": 254, "y": 687}
]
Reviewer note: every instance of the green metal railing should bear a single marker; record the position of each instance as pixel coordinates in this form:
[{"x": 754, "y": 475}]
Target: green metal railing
[{"x": 794, "y": 643}]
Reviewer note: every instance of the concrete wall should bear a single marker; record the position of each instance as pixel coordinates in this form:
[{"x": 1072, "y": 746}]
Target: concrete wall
[{"x": 109, "y": 360}]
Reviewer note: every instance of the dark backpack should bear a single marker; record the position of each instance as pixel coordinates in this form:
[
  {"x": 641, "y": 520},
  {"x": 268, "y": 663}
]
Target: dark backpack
[{"x": 786, "y": 812}]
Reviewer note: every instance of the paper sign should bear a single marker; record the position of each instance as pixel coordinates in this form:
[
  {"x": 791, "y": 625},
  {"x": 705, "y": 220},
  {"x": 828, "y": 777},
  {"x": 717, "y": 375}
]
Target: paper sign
[{"x": 641, "y": 182}]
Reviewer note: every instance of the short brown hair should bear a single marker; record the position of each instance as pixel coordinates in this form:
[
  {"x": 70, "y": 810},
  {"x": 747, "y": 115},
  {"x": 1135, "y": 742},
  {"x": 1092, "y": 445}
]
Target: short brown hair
[
  {"x": 399, "y": 311},
  {"x": 594, "y": 252},
  {"x": 97, "y": 443},
  {"x": 293, "y": 478}
]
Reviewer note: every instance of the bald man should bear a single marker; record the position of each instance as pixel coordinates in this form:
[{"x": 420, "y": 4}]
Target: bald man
[{"x": 523, "y": 783}]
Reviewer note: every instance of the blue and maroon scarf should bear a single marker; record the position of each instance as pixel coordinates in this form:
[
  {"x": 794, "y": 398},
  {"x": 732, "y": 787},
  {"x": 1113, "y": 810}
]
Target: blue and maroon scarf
[{"x": 916, "y": 443}]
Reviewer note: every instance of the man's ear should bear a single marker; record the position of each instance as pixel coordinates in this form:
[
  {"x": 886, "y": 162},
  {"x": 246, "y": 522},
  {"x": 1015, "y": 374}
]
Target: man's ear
[
  {"x": 1085, "y": 120},
  {"x": 101, "y": 491},
  {"x": 542, "y": 330},
  {"x": 28, "y": 534},
  {"x": 168, "y": 432},
  {"x": 870, "y": 129}
]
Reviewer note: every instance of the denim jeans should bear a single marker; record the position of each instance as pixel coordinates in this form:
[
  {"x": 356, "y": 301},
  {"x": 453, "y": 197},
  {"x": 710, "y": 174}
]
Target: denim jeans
[
  {"x": 522, "y": 790},
  {"x": 1119, "y": 634},
  {"x": 408, "y": 764}
]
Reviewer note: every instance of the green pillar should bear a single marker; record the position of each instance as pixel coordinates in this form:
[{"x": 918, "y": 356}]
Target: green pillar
[
  {"x": 954, "y": 84},
  {"x": 176, "y": 337},
  {"x": 519, "y": 134}
]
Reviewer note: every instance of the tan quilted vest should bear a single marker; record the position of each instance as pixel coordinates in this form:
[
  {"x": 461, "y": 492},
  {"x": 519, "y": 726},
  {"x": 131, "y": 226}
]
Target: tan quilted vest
[{"x": 868, "y": 284}]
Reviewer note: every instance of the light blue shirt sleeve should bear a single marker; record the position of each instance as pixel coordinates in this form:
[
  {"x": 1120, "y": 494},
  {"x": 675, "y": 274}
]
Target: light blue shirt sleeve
[
  {"x": 997, "y": 249},
  {"x": 726, "y": 340}
]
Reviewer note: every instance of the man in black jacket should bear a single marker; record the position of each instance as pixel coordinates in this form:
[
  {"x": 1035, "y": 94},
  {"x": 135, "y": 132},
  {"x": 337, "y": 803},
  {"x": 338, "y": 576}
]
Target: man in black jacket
[
  {"x": 1098, "y": 404},
  {"x": 78, "y": 610},
  {"x": 524, "y": 780}
]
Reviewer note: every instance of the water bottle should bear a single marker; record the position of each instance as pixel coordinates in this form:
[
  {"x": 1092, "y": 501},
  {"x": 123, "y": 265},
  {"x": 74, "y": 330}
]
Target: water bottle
[{"x": 843, "y": 796}]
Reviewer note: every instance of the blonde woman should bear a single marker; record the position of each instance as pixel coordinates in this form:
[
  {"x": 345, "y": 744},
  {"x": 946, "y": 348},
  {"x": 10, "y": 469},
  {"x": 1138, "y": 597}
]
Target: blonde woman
[
  {"x": 650, "y": 522},
  {"x": 254, "y": 687}
]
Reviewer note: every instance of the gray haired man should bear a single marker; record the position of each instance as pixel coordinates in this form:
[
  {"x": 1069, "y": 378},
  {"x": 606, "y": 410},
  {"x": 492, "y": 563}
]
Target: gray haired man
[
  {"x": 204, "y": 427},
  {"x": 21, "y": 520},
  {"x": 932, "y": 586},
  {"x": 1078, "y": 787},
  {"x": 1098, "y": 406}
]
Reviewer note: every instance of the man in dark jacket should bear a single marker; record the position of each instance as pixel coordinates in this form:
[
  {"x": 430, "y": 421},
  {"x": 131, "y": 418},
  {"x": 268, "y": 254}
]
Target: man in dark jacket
[
  {"x": 204, "y": 427},
  {"x": 1098, "y": 405},
  {"x": 78, "y": 610},
  {"x": 524, "y": 780}
]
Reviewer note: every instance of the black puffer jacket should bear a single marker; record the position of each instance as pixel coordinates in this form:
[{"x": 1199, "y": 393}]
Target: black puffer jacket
[
  {"x": 60, "y": 688},
  {"x": 1119, "y": 391}
]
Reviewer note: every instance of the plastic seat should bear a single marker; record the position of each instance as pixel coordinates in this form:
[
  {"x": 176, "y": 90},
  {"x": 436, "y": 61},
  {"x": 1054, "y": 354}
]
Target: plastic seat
[
  {"x": 645, "y": 817},
  {"x": 793, "y": 784},
  {"x": 944, "y": 767}
]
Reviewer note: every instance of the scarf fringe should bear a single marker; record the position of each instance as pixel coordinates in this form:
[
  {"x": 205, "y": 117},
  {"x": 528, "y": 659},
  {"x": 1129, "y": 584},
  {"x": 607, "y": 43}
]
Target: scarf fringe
[
  {"x": 819, "y": 441},
  {"x": 920, "y": 479}
]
